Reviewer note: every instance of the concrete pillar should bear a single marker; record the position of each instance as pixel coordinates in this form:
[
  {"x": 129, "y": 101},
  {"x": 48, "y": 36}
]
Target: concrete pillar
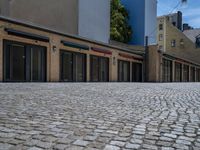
[
  {"x": 114, "y": 69},
  {"x": 54, "y": 60}
]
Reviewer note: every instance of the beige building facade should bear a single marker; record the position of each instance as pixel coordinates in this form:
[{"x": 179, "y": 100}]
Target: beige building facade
[
  {"x": 178, "y": 51},
  {"x": 33, "y": 54}
]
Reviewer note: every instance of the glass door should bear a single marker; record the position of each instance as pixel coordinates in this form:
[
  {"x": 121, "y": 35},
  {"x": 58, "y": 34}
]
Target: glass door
[
  {"x": 137, "y": 72},
  {"x": 37, "y": 64},
  {"x": 185, "y": 73},
  {"x": 14, "y": 63},
  {"x": 23, "y": 62},
  {"x": 66, "y": 66},
  {"x": 73, "y": 66},
  {"x": 99, "y": 69},
  {"x": 178, "y": 72},
  {"x": 123, "y": 71}
]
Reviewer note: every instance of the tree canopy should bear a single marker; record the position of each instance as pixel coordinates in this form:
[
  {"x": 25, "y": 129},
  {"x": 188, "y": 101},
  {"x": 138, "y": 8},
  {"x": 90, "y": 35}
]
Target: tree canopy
[{"x": 120, "y": 29}]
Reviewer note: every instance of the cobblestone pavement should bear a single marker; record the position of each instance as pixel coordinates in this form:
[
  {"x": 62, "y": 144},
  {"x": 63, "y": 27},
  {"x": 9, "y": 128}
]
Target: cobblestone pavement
[{"x": 91, "y": 116}]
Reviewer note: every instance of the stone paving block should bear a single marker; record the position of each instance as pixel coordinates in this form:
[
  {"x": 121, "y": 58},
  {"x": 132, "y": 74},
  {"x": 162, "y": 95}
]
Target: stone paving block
[
  {"x": 117, "y": 143},
  {"x": 5, "y": 146},
  {"x": 81, "y": 143},
  {"x": 111, "y": 147},
  {"x": 35, "y": 148},
  {"x": 132, "y": 146},
  {"x": 60, "y": 146}
]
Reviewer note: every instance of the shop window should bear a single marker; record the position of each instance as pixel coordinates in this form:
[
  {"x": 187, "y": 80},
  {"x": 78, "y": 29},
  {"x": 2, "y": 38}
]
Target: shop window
[
  {"x": 99, "y": 69},
  {"x": 123, "y": 71},
  {"x": 178, "y": 72},
  {"x": 137, "y": 72},
  {"x": 192, "y": 74},
  {"x": 167, "y": 70},
  {"x": 198, "y": 74},
  {"x": 24, "y": 62},
  {"x": 73, "y": 66},
  {"x": 185, "y": 73}
]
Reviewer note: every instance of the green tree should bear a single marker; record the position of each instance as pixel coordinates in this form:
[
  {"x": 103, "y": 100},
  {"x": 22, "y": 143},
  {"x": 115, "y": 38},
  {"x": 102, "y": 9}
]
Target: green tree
[{"x": 120, "y": 29}]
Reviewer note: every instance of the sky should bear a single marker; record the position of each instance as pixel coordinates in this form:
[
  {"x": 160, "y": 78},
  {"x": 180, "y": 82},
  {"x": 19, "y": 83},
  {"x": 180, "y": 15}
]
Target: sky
[{"x": 190, "y": 10}]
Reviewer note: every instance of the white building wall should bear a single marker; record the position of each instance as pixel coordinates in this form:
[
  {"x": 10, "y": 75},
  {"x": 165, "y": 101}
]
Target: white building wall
[
  {"x": 151, "y": 20},
  {"x": 94, "y": 19}
]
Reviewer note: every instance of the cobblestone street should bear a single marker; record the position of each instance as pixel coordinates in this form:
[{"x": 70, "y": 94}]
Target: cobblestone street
[{"x": 90, "y": 116}]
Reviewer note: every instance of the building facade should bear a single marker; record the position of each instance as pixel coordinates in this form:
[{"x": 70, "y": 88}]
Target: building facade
[
  {"x": 179, "y": 53},
  {"x": 86, "y": 18},
  {"x": 142, "y": 20},
  {"x": 34, "y": 54}
]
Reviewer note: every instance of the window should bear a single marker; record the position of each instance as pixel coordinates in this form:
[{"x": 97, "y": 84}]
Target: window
[
  {"x": 160, "y": 37},
  {"x": 178, "y": 72},
  {"x": 160, "y": 26},
  {"x": 173, "y": 43},
  {"x": 123, "y": 71},
  {"x": 137, "y": 72},
  {"x": 167, "y": 70},
  {"x": 73, "y": 67},
  {"x": 198, "y": 42},
  {"x": 99, "y": 69},
  {"x": 24, "y": 62},
  {"x": 198, "y": 74},
  {"x": 185, "y": 73},
  {"x": 174, "y": 23},
  {"x": 192, "y": 74},
  {"x": 160, "y": 47}
]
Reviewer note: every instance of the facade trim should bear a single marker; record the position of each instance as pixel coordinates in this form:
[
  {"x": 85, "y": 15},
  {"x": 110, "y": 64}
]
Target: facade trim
[{"x": 26, "y": 35}]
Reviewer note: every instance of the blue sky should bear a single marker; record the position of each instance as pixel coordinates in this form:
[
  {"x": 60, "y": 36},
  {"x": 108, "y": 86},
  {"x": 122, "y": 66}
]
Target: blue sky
[{"x": 191, "y": 10}]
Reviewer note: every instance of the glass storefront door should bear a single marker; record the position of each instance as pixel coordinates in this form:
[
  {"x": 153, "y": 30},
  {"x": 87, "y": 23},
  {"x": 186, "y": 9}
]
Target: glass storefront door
[
  {"x": 73, "y": 67},
  {"x": 23, "y": 62},
  {"x": 123, "y": 71},
  {"x": 99, "y": 69},
  {"x": 137, "y": 72},
  {"x": 178, "y": 72}
]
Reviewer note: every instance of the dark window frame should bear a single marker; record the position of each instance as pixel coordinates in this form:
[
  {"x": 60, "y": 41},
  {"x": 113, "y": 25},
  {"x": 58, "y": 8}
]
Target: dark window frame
[
  {"x": 99, "y": 59},
  {"x": 73, "y": 65},
  {"x": 186, "y": 75},
  {"x": 27, "y": 71},
  {"x": 167, "y": 70},
  {"x": 178, "y": 70},
  {"x": 137, "y": 75},
  {"x": 121, "y": 76},
  {"x": 160, "y": 27}
]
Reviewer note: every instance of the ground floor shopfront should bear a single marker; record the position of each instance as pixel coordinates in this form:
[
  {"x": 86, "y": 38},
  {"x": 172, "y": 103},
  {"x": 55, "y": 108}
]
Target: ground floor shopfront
[
  {"x": 179, "y": 71},
  {"x": 31, "y": 54}
]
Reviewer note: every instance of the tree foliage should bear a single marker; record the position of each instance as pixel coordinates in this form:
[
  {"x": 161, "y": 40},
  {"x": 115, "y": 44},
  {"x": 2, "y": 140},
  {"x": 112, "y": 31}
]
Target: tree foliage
[{"x": 120, "y": 29}]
